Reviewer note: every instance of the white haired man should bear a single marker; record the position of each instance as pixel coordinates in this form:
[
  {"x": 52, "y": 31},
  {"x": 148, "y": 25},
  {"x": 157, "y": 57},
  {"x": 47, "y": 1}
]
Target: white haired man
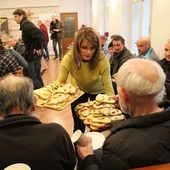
[
  {"x": 142, "y": 140},
  {"x": 23, "y": 137}
]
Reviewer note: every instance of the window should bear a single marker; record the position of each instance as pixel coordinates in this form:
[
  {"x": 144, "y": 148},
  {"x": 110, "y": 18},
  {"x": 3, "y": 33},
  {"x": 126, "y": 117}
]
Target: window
[{"x": 140, "y": 20}]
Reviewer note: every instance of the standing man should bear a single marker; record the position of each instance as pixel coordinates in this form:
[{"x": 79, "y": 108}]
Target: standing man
[
  {"x": 43, "y": 28},
  {"x": 56, "y": 29},
  {"x": 145, "y": 50},
  {"x": 32, "y": 37}
]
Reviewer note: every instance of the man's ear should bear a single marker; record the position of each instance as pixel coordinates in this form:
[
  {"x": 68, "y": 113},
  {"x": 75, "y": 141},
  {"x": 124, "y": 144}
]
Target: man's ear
[
  {"x": 34, "y": 105},
  {"x": 123, "y": 93}
]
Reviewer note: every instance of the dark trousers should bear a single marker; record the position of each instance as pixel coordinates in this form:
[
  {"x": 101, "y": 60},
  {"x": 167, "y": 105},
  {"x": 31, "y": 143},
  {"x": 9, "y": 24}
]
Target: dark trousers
[
  {"x": 34, "y": 72},
  {"x": 46, "y": 56},
  {"x": 59, "y": 42}
]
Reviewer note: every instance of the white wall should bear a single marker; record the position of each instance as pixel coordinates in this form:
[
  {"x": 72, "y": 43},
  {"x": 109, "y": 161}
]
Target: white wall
[
  {"x": 27, "y": 3},
  {"x": 160, "y": 25},
  {"x": 79, "y": 6},
  {"x": 120, "y": 19}
]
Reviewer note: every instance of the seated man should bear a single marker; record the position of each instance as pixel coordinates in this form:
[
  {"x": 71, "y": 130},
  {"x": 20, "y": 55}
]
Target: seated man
[
  {"x": 143, "y": 139},
  {"x": 16, "y": 45},
  {"x": 145, "y": 50},
  {"x": 23, "y": 137},
  {"x": 121, "y": 55},
  {"x": 165, "y": 64},
  {"x": 104, "y": 45}
]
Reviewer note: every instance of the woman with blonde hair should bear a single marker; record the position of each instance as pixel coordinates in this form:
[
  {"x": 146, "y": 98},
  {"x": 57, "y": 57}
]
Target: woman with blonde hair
[{"x": 89, "y": 69}]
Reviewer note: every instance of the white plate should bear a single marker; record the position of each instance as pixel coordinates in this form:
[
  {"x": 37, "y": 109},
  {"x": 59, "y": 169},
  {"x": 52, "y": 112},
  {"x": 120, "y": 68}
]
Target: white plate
[
  {"x": 18, "y": 166},
  {"x": 97, "y": 139}
]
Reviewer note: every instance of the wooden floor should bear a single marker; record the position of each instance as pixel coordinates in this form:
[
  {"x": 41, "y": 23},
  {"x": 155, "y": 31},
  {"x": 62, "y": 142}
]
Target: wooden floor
[{"x": 63, "y": 117}]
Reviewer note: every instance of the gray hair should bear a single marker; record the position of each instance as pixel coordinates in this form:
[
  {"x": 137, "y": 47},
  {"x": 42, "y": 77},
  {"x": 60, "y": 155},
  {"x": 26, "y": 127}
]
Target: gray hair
[
  {"x": 136, "y": 76},
  {"x": 16, "y": 92}
]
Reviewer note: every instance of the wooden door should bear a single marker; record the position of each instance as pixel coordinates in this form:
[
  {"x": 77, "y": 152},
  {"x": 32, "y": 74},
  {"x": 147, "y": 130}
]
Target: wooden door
[{"x": 70, "y": 23}]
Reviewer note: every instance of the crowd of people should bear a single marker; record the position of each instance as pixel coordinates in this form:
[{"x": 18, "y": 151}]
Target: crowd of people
[{"x": 95, "y": 66}]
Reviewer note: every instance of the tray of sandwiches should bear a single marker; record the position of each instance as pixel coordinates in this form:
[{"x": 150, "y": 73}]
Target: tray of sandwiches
[
  {"x": 100, "y": 113},
  {"x": 57, "y": 96}
]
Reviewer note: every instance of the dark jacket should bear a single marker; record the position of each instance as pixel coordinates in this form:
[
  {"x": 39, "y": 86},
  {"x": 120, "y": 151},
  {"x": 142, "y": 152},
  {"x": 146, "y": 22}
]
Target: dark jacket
[
  {"x": 24, "y": 139},
  {"x": 32, "y": 37},
  {"x": 166, "y": 67},
  {"x": 138, "y": 142},
  {"x": 119, "y": 58},
  {"x": 57, "y": 25}
]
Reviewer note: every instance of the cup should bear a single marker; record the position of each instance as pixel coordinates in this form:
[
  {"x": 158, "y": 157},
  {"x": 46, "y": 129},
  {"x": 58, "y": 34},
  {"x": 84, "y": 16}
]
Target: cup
[
  {"x": 79, "y": 138},
  {"x": 18, "y": 166}
]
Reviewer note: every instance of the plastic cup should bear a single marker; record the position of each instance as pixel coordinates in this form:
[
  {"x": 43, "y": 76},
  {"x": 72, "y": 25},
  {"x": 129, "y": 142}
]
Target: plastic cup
[{"x": 79, "y": 138}]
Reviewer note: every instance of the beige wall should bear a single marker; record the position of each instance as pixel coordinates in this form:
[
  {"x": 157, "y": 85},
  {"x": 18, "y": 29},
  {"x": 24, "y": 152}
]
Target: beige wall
[{"x": 160, "y": 25}]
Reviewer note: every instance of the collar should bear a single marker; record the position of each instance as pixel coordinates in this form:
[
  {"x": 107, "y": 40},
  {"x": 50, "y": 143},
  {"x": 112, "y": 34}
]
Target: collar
[
  {"x": 143, "y": 121},
  {"x": 146, "y": 54},
  {"x": 18, "y": 119}
]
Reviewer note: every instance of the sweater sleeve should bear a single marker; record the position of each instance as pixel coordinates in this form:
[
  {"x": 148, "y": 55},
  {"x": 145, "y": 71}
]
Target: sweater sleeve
[{"x": 64, "y": 69}]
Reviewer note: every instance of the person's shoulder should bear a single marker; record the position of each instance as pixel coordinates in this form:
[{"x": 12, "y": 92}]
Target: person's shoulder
[{"x": 53, "y": 128}]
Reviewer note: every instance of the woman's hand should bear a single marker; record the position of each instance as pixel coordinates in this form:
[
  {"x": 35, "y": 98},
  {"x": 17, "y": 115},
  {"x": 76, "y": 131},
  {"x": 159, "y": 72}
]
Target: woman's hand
[
  {"x": 84, "y": 151},
  {"x": 116, "y": 98}
]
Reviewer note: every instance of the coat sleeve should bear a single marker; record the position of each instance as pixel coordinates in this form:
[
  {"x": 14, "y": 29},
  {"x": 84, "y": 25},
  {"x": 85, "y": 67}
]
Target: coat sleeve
[{"x": 21, "y": 61}]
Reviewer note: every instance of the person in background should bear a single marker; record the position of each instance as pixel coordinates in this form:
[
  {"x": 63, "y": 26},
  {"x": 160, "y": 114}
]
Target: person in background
[
  {"x": 0, "y": 37},
  {"x": 16, "y": 45},
  {"x": 165, "y": 64},
  {"x": 120, "y": 56},
  {"x": 32, "y": 38},
  {"x": 56, "y": 30},
  {"x": 104, "y": 45},
  {"x": 111, "y": 51},
  {"x": 142, "y": 140},
  {"x": 21, "y": 61},
  {"x": 106, "y": 34},
  {"x": 43, "y": 28},
  {"x": 8, "y": 63},
  {"x": 24, "y": 138},
  {"x": 145, "y": 50},
  {"x": 89, "y": 70}
]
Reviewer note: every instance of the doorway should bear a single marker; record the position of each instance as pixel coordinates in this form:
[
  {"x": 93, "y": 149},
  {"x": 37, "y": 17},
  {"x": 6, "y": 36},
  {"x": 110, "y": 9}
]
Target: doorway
[{"x": 70, "y": 24}]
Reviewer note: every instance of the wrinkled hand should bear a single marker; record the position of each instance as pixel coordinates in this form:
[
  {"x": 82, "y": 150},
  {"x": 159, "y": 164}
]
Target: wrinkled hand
[{"x": 84, "y": 151}]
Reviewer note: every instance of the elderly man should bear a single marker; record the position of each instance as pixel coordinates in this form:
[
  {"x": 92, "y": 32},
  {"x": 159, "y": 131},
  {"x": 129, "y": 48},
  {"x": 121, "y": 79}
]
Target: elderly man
[
  {"x": 23, "y": 137},
  {"x": 145, "y": 50},
  {"x": 16, "y": 45},
  {"x": 142, "y": 140}
]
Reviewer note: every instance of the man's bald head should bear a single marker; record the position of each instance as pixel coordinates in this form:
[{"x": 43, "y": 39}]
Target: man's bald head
[
  {"x": 143, "y": 44},
  {"x": 141, "y": 77}
]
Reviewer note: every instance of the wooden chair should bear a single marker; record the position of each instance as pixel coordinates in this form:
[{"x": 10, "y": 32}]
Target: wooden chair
[{"x": 155, "y": 167}]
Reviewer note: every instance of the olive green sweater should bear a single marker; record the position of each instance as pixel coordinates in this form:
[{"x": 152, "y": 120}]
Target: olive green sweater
[{"x": 90, "y": 81}]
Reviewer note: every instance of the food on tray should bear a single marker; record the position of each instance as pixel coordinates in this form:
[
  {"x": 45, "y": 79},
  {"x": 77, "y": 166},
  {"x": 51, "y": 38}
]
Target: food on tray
[
  {"x": 57, "y": 96},
  {"x": 98, "y": 114}
]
